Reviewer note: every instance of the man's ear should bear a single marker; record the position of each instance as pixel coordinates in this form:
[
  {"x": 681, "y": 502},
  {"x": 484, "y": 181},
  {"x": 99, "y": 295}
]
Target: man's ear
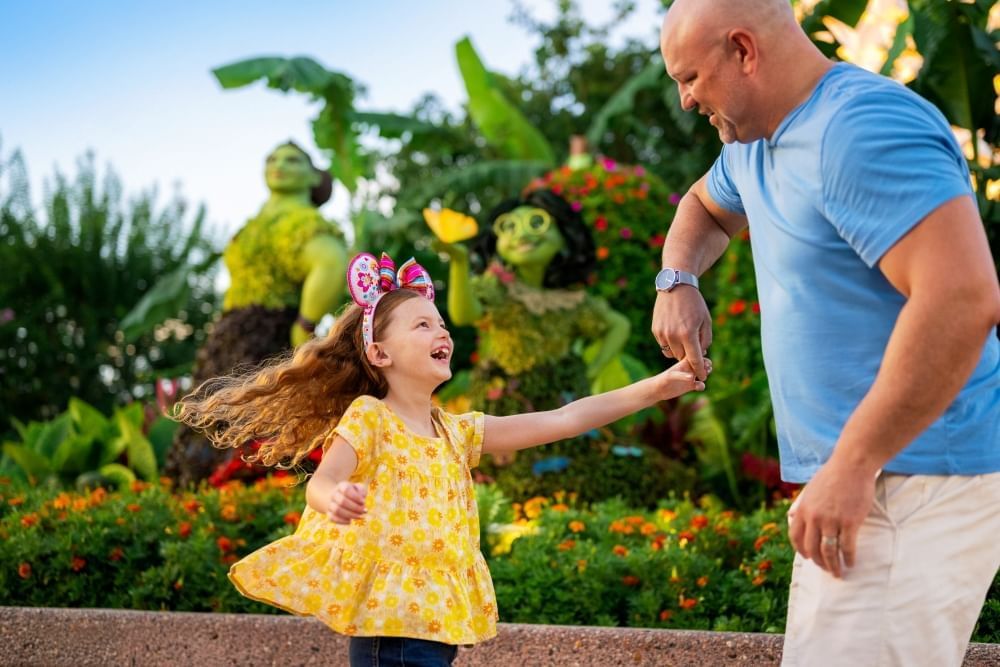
[
  {"x": 744, "y": 45},
  {"x": 377, "y": 356}
]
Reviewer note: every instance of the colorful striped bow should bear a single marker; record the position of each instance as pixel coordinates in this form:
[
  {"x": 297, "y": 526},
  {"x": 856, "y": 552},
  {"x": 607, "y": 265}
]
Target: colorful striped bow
[{"x": 369, "y": 279}]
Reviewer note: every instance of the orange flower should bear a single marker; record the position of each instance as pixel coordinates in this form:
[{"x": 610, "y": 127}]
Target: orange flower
[
  {"x": 688, "y": 603},
  {"x": 666, "y": 614},
  {"x": 179, "y": 584},
  {"x": 760, "y": 542},
  {"x": 292, "y": 518},
  {"x": 116, "y": 554},
  {"x": 224, "y": 543},
  {"x": 132, "y": 507},
  {"x": 699, "y": 521},
  {"x": 120, "y": 521},
  {"x": 29, "y": 520},
  {"x": 62, "y": 501},
  {"x": 630, "y": 580},
  {"x": 602, "y": 253},
  {"x": 15, "y": 501},
  {"x": 686, "y": 535},
  {"x": 433, "y": 627},
  {"x": 228, "y": 512},
  {"x": 635, "y": 520},
  {"x": 764, "y": 566},
  {"x": 184, "y": 529},
  {"x": 229, "y": 559},
  {"x": 191, "y": 506},
  {"x": 566, "y": 545},
  {"x": 138, "y": 486},
  {"x": 702, "y": 582},
  {"x": 619, "y": 550},
  {"x": 648, "y": 528},
  {"x": 737, "y": 307},
  {"x": 24, "y": 570},
  {"x": 581, "y": 565},
  {"x": 559, "y": 507},
  {"x": 77, "y": 563},
  {"x": 758, "y": 580},
  {"x": 667, "y": 515},
  {"x": 98, "y": 496},
  {"x": 577, "y": 526}
]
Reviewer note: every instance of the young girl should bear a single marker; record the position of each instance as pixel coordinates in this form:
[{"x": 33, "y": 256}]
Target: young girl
[{"x": 387, "y": 550}]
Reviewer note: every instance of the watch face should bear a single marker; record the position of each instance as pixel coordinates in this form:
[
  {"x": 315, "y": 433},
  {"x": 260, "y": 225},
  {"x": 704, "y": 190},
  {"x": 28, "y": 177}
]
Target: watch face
[{"x": 666, "y": 279}]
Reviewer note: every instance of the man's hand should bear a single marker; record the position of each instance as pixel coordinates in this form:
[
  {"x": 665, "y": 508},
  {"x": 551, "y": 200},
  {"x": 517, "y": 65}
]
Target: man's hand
[
  {"x": 682, "y": 326},
  {"x": 823, "y": 522},
  {"x": 347, "y": 502}
]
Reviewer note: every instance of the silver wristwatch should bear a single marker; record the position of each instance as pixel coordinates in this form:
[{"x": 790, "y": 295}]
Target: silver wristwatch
[{"x": 667, "y": 279}]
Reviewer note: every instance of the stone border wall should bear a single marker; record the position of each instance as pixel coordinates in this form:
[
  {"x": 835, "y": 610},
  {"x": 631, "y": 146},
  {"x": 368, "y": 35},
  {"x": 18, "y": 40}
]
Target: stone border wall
[{"x": 101, "y": 637}]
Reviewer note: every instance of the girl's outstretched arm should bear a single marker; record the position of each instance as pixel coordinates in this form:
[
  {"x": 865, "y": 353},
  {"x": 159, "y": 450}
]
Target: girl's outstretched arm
[
  {"x": 507, "y": 434},
  {"x": 328, "y": 490}
]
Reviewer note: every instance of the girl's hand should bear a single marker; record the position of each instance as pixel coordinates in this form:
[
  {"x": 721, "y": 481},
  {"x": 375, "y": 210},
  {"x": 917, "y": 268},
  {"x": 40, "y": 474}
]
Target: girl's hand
[
  {"x": 347, "y": 502},
  {"x": 680, "y": 379}
]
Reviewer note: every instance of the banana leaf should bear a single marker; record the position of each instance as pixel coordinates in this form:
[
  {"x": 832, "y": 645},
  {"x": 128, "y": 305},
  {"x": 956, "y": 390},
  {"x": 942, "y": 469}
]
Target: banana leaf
[
  {"x": 623, "y": 101},
  {"x": 501, "y": 123}
]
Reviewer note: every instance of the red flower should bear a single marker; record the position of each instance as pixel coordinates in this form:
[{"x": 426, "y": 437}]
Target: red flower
[
  {"x": 666, "y": 614},
  {"x": 688, "y": 603},
  {"x": 24, "y": 570},
  {"x": 184, "y": 529},
  {"x": 759, "y": 543},
  {"x": 133, "y": 507},
  {"x": 657, "y": 241},
  {"x": 755, "y": 308},
  {"x": 600, "y": 224},
  {"x": 116, "y": 554},
  {"x": 29, "y": 520},
  {"x": 630, "y": 580},
  {"x": 764, "y": 566},
  {"x": 686, "y": 535},
  {"x": 224, "y": 543},
  {"x": 737, "y": 307},
  {"x": 292, "y": 518},
  {"x": 78, "y": 563},
  {"x": 699, "y": 521}
]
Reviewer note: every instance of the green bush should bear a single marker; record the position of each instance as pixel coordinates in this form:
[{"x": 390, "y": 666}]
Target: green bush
[
  {"x": 71, "y": 271},
  {"x": 686, "y": 564}
]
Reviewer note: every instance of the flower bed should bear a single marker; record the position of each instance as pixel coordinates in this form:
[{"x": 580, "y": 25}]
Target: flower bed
[{"x": 693, "y": 565}]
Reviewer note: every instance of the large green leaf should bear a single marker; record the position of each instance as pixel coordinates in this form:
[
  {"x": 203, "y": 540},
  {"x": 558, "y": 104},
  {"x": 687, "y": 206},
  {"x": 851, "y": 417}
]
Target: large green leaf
[
  {"x": 508, "y": 175},
  {"x": 300, "y": 73},
  {"x": 141, "y": 457},
  {"x": 623, "y": 101},
  {"x": 960, "y": 63},
  {"x": 33, "y": 465},
  {"x": 86, "y": 419},
  {"x": 51, "y": 435},
  {"x": 164, "y": 300},
  {"x": 393, "y": 126},
  {"x": 161, "y": 436},
  {"x": 501, "y": 123},
  {"x": 77, "y": 453}
]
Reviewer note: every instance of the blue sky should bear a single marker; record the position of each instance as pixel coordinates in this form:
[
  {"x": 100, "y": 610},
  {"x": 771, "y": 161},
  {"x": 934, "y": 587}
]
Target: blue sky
[{"x": 131, "y": 81}]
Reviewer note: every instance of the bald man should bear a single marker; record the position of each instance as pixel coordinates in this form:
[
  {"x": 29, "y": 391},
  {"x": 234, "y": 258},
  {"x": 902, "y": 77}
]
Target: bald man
[{"x": 879, "y": 306}]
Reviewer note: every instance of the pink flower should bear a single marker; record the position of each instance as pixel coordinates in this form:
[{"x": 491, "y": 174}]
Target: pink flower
[
  {"x": 626, "y": 233},
  {"x": 7, "y": 315},
  {"x": 674, "y": 199},
  {"x": 576, "y": 206},
  {"x": 640, "y": 172},
  {"x": 622, "y": 282},
  {"x": 608, "y": 164}
]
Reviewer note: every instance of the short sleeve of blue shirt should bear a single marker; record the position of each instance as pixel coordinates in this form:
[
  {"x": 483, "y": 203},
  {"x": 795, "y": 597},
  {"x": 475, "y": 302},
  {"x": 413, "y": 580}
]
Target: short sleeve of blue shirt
[
  {"x": 720, "y": 183},
  {"x": 887, "y": 161}
]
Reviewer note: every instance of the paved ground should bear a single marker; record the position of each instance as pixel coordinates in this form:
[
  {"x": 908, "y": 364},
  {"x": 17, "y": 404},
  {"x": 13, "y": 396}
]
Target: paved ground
[{"x": 104, "y": 637}]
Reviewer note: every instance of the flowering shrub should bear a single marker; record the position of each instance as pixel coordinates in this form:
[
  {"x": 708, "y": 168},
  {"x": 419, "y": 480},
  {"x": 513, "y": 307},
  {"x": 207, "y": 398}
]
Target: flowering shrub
[
  {"x": 629, "y": 211},
  {"x": 685, "y": 564}
]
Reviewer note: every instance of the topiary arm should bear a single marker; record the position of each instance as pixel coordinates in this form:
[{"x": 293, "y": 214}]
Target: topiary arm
[
  {"x": 324, "y": 258},
  {"x": 616, "y": 333},
  {"x": 463, "y": 306}
]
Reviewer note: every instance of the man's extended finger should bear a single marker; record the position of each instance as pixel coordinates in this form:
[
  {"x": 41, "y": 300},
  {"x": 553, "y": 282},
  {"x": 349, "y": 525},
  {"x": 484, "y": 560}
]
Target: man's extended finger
[{"x": 693, "y": 353}]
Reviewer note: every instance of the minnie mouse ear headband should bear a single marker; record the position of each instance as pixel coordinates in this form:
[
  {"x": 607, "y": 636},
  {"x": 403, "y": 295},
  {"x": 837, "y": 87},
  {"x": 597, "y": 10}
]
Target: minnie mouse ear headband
[{"x": 369, "y": 279}]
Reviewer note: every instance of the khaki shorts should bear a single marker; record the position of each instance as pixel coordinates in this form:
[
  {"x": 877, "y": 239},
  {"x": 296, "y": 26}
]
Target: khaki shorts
[{"x": 926, "y": 556}]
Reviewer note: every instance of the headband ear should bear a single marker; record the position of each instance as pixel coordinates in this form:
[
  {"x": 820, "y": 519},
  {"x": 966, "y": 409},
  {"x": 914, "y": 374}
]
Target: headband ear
[
  {"x": 363, "y": 280},
  {"x": 415, "y": 277}
]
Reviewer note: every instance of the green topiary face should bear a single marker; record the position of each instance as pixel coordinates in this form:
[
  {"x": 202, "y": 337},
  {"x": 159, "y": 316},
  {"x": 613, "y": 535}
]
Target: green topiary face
[
  {"x": 527, "y": 237},
  {"x": 287, "y": 171}
]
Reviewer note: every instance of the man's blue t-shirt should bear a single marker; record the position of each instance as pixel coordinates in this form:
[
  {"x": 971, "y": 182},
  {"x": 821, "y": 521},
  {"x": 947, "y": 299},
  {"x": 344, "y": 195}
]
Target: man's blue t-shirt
[{"x": 846, "y": 175}]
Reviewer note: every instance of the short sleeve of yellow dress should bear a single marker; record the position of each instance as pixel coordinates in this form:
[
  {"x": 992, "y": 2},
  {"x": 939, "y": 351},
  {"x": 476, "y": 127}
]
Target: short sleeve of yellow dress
[{"x": 411, "y": 567}]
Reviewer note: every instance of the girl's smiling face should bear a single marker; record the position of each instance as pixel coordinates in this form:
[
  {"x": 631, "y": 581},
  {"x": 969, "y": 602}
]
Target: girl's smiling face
[
  {"x": 527, "y": 236},
  {"x": 416, "y": 343}
]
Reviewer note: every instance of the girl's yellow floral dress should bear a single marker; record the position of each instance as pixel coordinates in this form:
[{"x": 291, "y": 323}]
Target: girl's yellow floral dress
[{"x": 412, "y": 566}]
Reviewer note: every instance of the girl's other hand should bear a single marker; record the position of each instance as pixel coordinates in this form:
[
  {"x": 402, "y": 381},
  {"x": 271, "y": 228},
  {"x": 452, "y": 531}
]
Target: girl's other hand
[
  {"x": 347, "y": 502},
  {"x": 680, "y": 379}
]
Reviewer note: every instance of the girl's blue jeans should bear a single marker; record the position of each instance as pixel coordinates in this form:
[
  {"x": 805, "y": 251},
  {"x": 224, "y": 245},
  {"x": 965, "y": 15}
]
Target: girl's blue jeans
[{"x": 400, "y": 652}]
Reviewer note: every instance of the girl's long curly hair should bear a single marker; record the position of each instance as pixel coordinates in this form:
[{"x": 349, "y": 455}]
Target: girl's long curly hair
[{"x": 289, "y": 404}]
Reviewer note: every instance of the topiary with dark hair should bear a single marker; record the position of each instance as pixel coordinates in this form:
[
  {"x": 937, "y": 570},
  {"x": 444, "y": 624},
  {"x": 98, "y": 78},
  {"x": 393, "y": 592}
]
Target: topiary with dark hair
[{"x": 574, "y": 263}]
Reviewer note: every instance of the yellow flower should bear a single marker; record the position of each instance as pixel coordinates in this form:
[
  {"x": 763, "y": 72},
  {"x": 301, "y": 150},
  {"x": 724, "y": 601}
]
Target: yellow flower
[{"x": 450, "y": 226}]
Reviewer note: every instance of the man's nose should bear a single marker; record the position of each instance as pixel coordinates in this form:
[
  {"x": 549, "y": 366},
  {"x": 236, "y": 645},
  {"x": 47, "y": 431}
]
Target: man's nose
[{"x": 687, "y": 102}]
